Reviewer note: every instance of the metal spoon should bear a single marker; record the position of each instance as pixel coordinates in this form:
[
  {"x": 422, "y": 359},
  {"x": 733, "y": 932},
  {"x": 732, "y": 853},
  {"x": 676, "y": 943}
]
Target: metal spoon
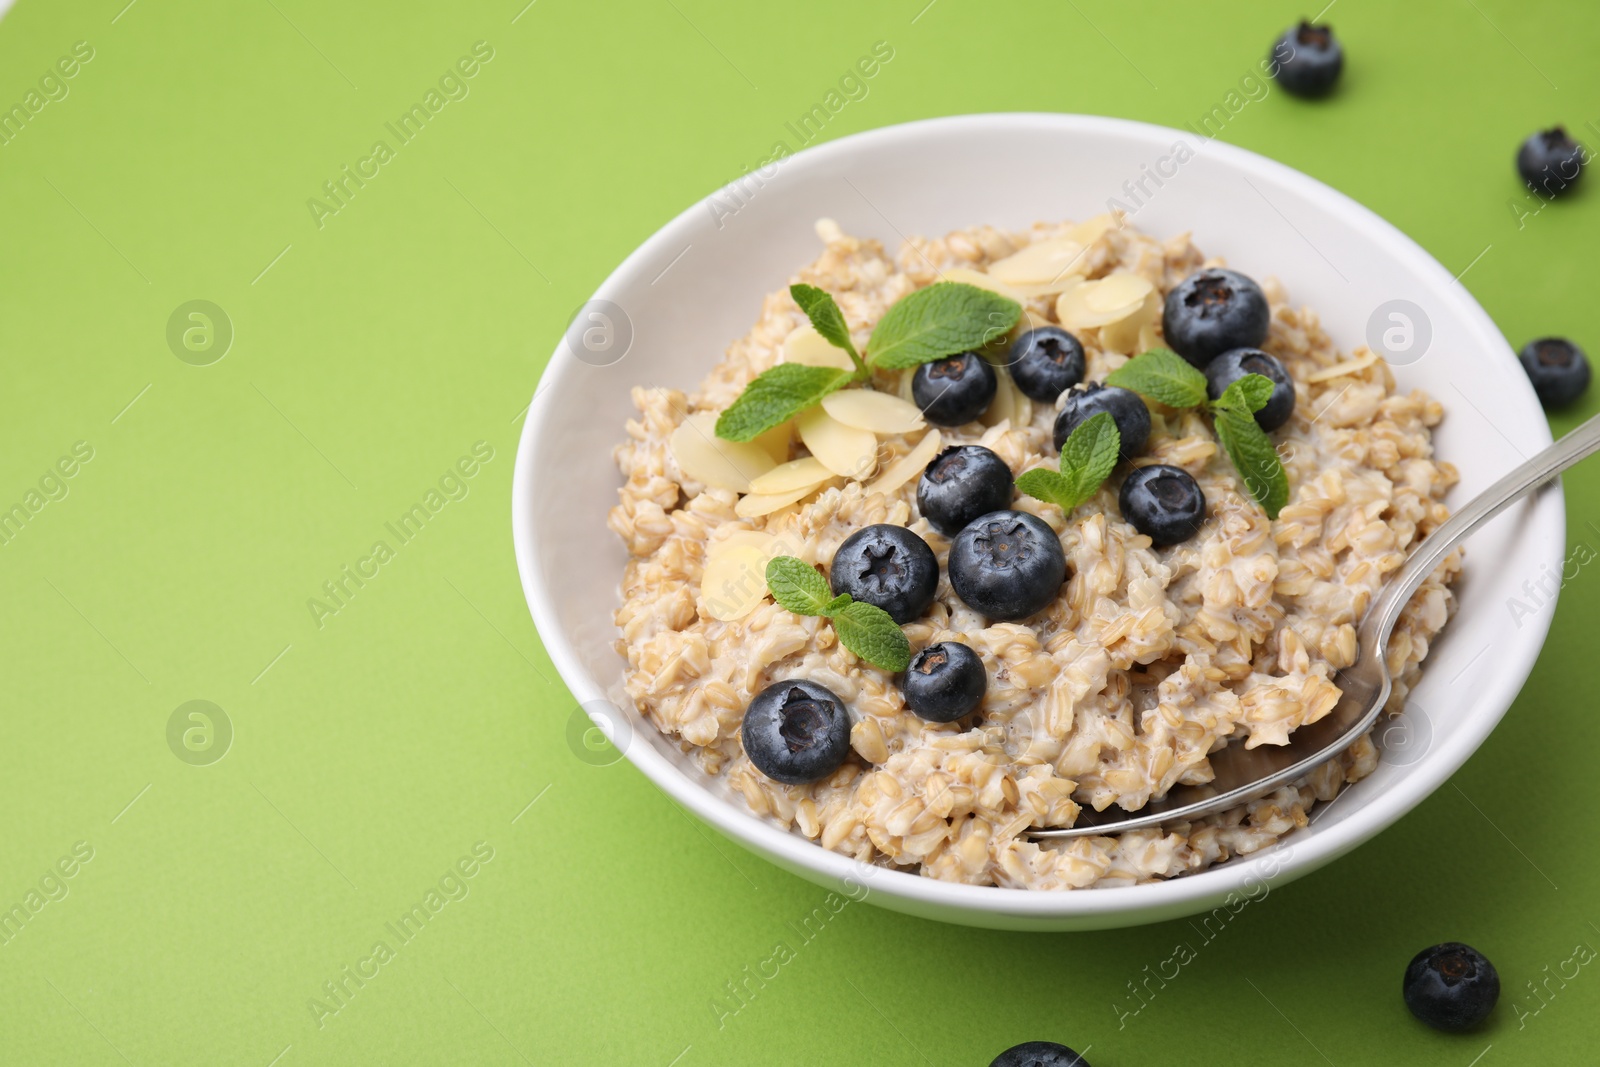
[{"x": 1241, "y": 774}]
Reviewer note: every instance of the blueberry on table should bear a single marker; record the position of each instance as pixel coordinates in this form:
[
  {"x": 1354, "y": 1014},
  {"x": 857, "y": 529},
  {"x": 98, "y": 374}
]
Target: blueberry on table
[
  {"x": 944, "y": 682},
  {"x": 1164, "y": 503},
  {"x": 889, "y": 566},
  {"x": 963, "y": 482},
  {"x": 1046, "y": 363},
  {"x": 954, "y": 391},
  {"x": 1213, "y": 310},
  {"x": 1125, "y": 407},
  {"x": 1039, "y": 1054},
  {"x": 1551, "y": 162},
  {"x": 796, "y": 732},
  {"x": 1309, "y": 60},
  {"x": 1007, "y": 565},
  {"x": 1451, "y": 986},
  {"x": 1231, "y": 366},
  {"x": 1557, "y": 368}
]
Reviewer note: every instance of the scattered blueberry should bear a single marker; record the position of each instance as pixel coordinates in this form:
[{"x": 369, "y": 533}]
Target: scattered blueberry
[
  {"x": 796, "y": 732},
  {"x": 1451, "y": 986},
  {"x": 944, "y": 682},
  {"x": 1039, "y": 1054},
  {"x": 1125, "y": 407},
  {"x": 1233, "y": 365},
  {"x": 1164, "y": 503},
  {"x": 1309, "y": 60},
  {"x": 1213, "y": 310},
  {"x": 954, "y": 391},
  {"x": 1046, "y": 363},
  {"x": 1551, "y": 162},
  {"x": 889, "y": 566},
  {"x": 1007, "y": 565},
  {"x": 963, "y": 482},
  {"x": 1557, "y": 368}
]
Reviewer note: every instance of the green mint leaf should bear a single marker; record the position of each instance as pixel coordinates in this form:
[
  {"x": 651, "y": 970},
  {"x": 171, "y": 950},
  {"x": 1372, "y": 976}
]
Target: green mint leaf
[
  {"x": 1253, "y": 455},
  {"x": 1090, "y": 453},
  {"x": 944, "y": 319},
  {"x": 1163, "y": 375},
  {"x": 869, "y": 632},
  {"x": 1052, "y": 488},
  {"x": 825, "y": 316},
  {"x": 797, "y": 587},
  {"x": 1249, "y": 393},
  {"x": 776, "y": 395}
]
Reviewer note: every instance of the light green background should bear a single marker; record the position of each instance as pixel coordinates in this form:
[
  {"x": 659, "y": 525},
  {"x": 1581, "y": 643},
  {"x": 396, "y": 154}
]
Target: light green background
[{"x": 372, "y": 753}]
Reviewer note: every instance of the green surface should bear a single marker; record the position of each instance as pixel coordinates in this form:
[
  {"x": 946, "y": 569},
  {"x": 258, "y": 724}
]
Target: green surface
[{"x": 376, "y": 747}]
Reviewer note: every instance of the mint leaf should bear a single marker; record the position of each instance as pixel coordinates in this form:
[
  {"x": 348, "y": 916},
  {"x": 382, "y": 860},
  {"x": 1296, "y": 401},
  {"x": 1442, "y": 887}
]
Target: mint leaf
[
  {"x": 826, "y": 318},
  {"x": 1248, "y": 445},
  {"x": 776, "y": 395},
  {"x": 797, "y": 587},
  {"x": 942, "y": 320},
  {"x": 1087, "y": 459},
  {"x": 1044, "y": 484},
  {"x": 1250, "y": 393},
  {"x": 1163, "y": 375},
  {"x": 869, "y": 632}
]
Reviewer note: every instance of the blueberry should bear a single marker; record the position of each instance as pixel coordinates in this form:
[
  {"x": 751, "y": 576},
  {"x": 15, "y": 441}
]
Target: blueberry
[
  {"x": 1164, "y": 503},
  {"x": 1558, "y": 369},
  {"x": 1550, "y": 162},
  {"x": 1213, "y": 310},
  {"x": 1309, "y": 60},
  {"x": 1046, "y": 363},
  {"x": 1451, "y": 986},
  {"x": 1007, "y": 565},
  {"x": 963, "y": 482},
  {"x": 1125, "y": 407},
  {"x": 796, "y": 732},
  {"x": 1039, "y": 1054},
  {"x": 944, "y": 682},
  {"x": 954, "y": 391},
  {"x": 889, "y": 566},
  {"x": 1231, "y": 366}
]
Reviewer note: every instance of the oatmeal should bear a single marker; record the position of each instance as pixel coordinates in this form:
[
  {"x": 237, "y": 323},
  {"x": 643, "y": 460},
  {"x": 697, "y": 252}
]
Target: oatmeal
[{"x": 1146, "y": 660}]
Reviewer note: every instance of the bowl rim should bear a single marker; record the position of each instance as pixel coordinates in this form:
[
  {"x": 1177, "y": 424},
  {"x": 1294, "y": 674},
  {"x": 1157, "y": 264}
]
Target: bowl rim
[{"x": 1294, "y": 854}]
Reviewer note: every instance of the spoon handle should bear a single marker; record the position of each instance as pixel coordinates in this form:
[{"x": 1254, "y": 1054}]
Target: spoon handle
[{"x": 1522, "y": 480}]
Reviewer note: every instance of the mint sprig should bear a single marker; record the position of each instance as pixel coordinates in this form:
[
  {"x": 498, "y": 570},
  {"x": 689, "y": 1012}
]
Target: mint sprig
[
  {"x": 778, "y": 394},
  {"x": 1087, "y": 459},
  {"x": 865, "y": 629},
  {"x": 826, "y": 318},
  {"x": 1161, "y": 374}
]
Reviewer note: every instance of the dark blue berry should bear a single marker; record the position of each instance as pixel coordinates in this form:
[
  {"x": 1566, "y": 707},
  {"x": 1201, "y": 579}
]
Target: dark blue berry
[
  {"x": 1039, "y": 1054},
  {"x": 963, "y": 482},
  {"x": 1231, "y": 366},
  {"x": 1308, "y": 60},
  {"x": 1046, "y": 363},
  {"x": 1551, "y": 162},
  {"x": 1557, "y": 368},
  {"x": 1007, "y": 565},
  {"x": 944, "y": 682},
  {"x": 1213, "y": 310},
  {"x": 1124, "y": 406},
  {"x": 1164, "y": 503},
  {"x": 796, "y": 732},
  {"x": 889, "y": 566},
  {"x": 1451, "y": 986},
  {"x": 954, "y": 391}
]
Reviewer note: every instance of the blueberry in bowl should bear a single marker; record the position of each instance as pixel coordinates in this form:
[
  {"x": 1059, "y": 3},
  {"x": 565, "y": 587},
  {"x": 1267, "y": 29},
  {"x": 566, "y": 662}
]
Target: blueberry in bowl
[
  {"x": 945, "y": 682},
  {"x": 1451, "y": 986},
  {"x": 1557, "y": 368},
  {"x": 796, "y": 732},
  {"x": 1212, "y": 311},
  {"x": 1164, "y": 503},
  {"x": 1007, "y": 565},
  {"x": 1046, "y": 362},
  {"x": 963, "y": 482},
  {"x": 1309, "y": 59},
  {"x": 1125, "y": 407},
  {"x": 889, "y": 566},
  {"x": 1235, "y": 364},
  {"x": 1551, "y": 162},
  {"x": 1039, "y": 1054},
  {"x": 955, "y": 390}
]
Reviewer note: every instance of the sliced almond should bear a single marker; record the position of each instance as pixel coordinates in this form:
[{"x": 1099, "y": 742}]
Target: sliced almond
[
  {"x": 1349, "y": 366},
  {"x": 968, "y": 276},
  {"x": 1043, "y": 263},
  {"x": 1150, "y": 337},
  {"x": 734, "y": 581},
  {"x": 754, "y": 505},
  {"x": 907, "y": 466},
  {"x": 1090, "y": 230},
  {"x": 844, "y": 450},
  {"x": 777, "y": 440},
  {"x": 1119, "y": 290},
  {"x": 868, "y": 409},
  {"x": 806, "y": 346},
  {"x": 1123, "y": 337},
  {"x": 804, "y": 473},
  {"x": 1094, "y": 303},
  {"x": 704, "y": 457},
  {"x": 1003, "y": 406}
]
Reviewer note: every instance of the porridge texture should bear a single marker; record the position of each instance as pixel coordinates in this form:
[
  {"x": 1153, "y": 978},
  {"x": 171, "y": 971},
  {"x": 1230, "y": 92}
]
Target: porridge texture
[{"x": 1148, "y": 659}]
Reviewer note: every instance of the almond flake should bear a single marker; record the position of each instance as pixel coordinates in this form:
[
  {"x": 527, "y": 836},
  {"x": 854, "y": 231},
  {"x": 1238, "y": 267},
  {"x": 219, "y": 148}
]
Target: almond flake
[
  {"x": 734, "y": 581},
  {"x": 1123, "y": 337},
  {"x": 1043, "y": 263},
  {"x": 1339, "y": 370},
  {"x": 907, "y": 466},
  {"x": 704, "y": 457},
  {"x": 807, "y": 347},
  {"x": 844, "y": 450},
  {"x": 805, "y": 473},
  {"x": 1093, "y": 303},
  {"x": 867, "y": 409},
  {"x": 755, "y": 505}
]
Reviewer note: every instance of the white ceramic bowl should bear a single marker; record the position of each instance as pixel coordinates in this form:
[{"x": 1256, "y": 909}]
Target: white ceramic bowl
[{"x": 698, "y": 282}]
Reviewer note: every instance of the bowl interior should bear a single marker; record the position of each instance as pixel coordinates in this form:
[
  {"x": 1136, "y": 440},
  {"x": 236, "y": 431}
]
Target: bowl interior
[{"x": 698, "y": 283}]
